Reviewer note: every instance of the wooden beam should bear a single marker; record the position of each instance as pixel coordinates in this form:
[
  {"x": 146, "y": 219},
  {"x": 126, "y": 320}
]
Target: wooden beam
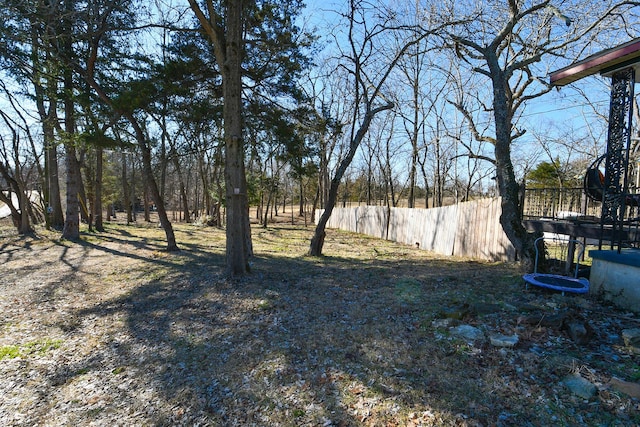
[
  {"x": 589, "y": 231},
  {"x": 606, "y": 62}
]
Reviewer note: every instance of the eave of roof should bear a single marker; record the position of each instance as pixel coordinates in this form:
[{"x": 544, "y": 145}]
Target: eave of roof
[{"x": 605, "y": 62}]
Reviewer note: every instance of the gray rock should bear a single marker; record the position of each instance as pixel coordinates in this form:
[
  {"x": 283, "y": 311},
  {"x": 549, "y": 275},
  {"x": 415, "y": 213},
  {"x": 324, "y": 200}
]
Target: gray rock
[
  {"x": 627, "y": 387},
  {"x": 631, "y": 337},
  {"x": 442, "y": 323},
  {"x": 498, "y": 340},
  {"x": 580, "y": 332},
  {"x": 457, "y": 312},
  {"x": 580, "y": 386},
  {"x": 468, "y": 333}
]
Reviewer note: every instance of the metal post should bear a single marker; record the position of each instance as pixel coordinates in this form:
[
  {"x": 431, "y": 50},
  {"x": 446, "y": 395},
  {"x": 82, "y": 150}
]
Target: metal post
[{"x": 616, "y": 166}]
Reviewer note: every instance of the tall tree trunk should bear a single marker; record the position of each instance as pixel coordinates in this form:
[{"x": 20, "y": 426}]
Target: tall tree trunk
[
  {"x": 25, "y": 223},
  {"x": 508, "y": 187},
  {"x": 125, "y": 187},
  {"x": 266, "y": 211},
  {"x": 71, "y": 229},
  {"x": 314, "y": 205},
  {"x": 317, "y": 241},
  {"x": 183, "y": 190},
  {"x": 147, "y": 202},
  {"x": 239, "y": 246},
  {"x": 82, "y": 195},
  {"x": 204, "y": 177},
  {"x": 89, "y": 202},
  {"x": 97, "y": 203},
  {"x": 54, "y": 200},
  {"x": 54, "y": 208},
  {"x": 132, "y": 192},
  {"x": 154, "y": 191},
  {"x": 301, "y": 211},
  {"x": 226, "y": 37}
]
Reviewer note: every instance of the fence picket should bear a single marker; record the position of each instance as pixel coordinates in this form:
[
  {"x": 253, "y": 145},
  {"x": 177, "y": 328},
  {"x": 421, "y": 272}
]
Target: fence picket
[{"x": 470, "y": 229}]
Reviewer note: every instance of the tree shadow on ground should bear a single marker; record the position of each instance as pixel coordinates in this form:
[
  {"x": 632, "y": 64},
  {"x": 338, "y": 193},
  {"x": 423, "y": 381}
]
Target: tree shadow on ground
[
  {"x": 158, "y": 338},
  {"x": 325, "y": 340}
]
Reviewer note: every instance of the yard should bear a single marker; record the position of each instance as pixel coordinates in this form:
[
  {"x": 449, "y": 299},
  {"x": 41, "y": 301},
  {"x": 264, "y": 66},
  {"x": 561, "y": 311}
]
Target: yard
[{"x": 115, "y": 331}]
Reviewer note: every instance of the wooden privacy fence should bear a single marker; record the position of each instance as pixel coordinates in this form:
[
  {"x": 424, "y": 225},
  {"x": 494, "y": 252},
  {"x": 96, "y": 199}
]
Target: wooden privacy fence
[{"x": 469, "y": 229}]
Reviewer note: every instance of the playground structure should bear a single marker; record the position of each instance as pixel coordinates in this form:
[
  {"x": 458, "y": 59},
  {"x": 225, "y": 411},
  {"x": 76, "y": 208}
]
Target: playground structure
[{"x": 615, "y": 272}]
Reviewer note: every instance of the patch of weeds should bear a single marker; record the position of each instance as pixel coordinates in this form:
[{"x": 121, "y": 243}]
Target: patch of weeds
[
  {"x": 41, "y": 347},
  {"x": 634, "y": 375},
  {"x": 94, "y": 412},
  {"x": 118, "y": 370},
  {"x": 298, "y": 413},
  {"x": 9, "y": 352},
  {"x": 627, "y": 370},
  {"x": 408, "y": 290},
  {"x": 6, "y": 326},
  {"x": 264, "y": 304},
  {"x": 92, "y": 238}
]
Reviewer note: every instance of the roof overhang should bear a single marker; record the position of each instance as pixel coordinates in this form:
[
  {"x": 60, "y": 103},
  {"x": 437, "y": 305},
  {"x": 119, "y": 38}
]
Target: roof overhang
[{"x": 606, "y": 63}]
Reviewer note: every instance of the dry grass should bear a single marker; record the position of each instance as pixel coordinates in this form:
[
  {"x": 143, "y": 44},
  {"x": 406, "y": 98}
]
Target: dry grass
[{"x": 114, "y": 331}]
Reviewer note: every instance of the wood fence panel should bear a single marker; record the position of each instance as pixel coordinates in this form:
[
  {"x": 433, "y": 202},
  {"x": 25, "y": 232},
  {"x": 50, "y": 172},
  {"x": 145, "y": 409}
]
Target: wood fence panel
[
  {"x": 376, "y": 221},
  {"x": 470, "y": 229},
  {"x": 446, "y": 229}
]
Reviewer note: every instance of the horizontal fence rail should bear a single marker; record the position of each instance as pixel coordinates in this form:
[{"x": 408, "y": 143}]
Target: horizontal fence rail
[
  {"x": 557, "y": 203},
  {"x": 470, "y": 229}
]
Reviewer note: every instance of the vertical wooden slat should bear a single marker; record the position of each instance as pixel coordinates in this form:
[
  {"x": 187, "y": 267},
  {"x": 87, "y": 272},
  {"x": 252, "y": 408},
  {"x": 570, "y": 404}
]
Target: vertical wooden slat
[{"x": 469, "y": 229}]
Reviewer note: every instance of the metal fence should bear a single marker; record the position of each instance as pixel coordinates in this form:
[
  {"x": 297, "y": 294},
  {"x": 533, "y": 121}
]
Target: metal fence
[{"x": 558, "y": 203}]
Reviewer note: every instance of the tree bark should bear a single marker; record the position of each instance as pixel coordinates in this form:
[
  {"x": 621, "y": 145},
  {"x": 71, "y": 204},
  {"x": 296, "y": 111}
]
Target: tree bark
[
  {"x": 317, "y": 241},
  {"x": 97, "y": 203},
  {"x": 54, "y": 208},
  {"x": 71, "y": 229},
  {"x": 154, "y": 191},
  {"x": 301, "y": 210},
  {"x": 239, "y": 246},
  {"x": 510, "y": 219},
  {"x": 227, "y": 39},
  {"x": 183, "y": 190},
  {"x": 125, "y": 187}
]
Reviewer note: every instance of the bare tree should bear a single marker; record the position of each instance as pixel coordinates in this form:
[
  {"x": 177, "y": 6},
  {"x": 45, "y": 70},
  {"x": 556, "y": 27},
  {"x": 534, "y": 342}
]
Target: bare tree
[
  {"x": 368, "y": 66},
  {"x": 12, "y": 172},
  {"x": 506, "y": 43}
]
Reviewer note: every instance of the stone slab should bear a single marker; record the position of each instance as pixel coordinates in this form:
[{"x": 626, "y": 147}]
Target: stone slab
[{"x": 616, "y": 277}]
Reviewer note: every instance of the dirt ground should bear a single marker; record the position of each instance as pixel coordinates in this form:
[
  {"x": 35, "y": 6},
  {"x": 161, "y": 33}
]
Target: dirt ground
[{"x": 113, "y": 330}]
